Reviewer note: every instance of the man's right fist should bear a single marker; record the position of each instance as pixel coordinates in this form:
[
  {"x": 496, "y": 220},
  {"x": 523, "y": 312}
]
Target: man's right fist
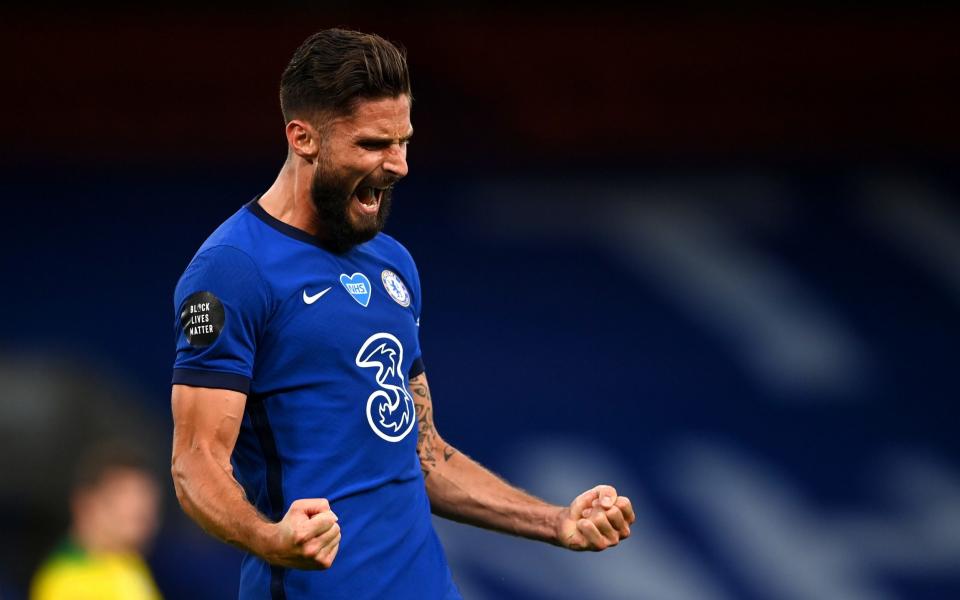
[{"x": 308, "y": 537}]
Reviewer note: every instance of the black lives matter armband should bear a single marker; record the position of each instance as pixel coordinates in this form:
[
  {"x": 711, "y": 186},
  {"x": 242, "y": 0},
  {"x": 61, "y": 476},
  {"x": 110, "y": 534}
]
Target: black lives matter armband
[{"x": 201, "y": 319}]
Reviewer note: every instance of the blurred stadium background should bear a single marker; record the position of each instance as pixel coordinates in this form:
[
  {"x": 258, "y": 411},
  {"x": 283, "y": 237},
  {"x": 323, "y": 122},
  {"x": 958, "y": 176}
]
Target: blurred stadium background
[{"x": 710, "y": 256}]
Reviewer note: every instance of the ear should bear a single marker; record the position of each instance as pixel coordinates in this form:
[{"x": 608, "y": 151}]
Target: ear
[{"x": 303, "y": 139}]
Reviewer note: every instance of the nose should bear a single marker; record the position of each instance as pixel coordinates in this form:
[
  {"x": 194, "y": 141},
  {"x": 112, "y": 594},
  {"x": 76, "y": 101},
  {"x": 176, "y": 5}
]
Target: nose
[{"x": 395, "y": 162}]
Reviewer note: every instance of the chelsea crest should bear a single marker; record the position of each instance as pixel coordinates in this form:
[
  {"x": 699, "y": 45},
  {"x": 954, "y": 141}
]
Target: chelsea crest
[{"x": 394, "y": 286}]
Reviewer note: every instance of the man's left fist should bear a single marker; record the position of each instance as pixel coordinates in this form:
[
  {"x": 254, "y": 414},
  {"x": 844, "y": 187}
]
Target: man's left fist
[{"x": 596, "y": 520}]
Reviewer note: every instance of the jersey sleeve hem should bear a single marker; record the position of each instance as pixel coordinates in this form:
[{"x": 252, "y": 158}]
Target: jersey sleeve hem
[
  {"x": 212, "y": 379},
  {"x": 416, "y": 368}
]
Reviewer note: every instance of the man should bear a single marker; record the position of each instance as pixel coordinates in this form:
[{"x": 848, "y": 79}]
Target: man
[
  {"x": 114, "y": 509},
  {"x": 303, "y": 419}
]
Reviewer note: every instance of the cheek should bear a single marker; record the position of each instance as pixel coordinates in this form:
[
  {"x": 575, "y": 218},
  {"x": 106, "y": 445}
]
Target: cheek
[
  {"x": 135, "y": 506},
  {"x": 352, "y": 171},
  {"x": 364, "y": 161},
  {"x": 139, "y": 517}
]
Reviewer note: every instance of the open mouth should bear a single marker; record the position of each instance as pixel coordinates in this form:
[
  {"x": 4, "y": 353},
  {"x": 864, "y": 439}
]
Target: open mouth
[{"x": 368, "y": 198}]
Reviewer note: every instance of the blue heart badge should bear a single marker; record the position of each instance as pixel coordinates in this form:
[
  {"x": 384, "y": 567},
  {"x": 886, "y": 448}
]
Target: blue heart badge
[{"x": 358, "y": 286}]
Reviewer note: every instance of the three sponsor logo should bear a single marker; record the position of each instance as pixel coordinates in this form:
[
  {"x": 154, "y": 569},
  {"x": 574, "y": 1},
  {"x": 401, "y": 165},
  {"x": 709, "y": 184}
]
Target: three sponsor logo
[{"x": 390, "y": 411}]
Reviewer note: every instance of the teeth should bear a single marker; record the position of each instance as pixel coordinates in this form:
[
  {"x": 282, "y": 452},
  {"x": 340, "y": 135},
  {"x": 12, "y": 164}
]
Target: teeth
[{"x": 366, "y": 195}]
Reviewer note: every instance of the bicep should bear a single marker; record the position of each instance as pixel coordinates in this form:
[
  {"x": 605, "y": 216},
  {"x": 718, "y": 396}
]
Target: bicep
[
  {"x": 423, "y": 403},
  {"x": 431, "y": 448},
  {"x": 206, "y": 420}
]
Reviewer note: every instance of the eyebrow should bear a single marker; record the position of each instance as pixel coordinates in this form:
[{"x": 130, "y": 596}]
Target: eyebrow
[{"x": 375, "y": 139}]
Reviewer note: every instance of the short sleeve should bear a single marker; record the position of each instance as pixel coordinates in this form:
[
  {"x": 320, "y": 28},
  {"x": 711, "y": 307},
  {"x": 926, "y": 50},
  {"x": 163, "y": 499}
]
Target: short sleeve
[{"x": 220, "y": 307}]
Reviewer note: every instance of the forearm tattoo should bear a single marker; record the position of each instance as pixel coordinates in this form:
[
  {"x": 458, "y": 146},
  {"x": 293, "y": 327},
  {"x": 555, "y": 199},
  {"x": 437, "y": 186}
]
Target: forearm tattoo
[{"x": 430, "y": 446}]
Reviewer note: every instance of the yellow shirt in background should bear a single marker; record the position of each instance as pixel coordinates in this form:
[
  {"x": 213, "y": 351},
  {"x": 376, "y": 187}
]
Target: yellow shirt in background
[{"x": 72, "y": 574}]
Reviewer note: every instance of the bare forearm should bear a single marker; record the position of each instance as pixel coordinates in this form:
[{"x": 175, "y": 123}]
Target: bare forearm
[
  {"x": 206, "y": 423},
  {"x": 462, "y": 490},
  {"x": 211, "y": 496}
]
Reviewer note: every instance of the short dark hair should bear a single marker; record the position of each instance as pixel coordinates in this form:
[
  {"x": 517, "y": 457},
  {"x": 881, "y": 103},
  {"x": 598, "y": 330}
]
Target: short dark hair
[
  {"x": 335, "y": 68},
  {"x": 99, "y": 459}
]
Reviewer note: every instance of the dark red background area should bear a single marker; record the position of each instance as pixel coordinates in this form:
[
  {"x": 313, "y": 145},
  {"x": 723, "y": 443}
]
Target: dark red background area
[{"x": 497, "y": 87}]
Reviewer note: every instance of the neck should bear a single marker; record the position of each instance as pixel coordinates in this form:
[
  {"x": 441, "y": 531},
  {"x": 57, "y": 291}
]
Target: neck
[{"x": 288, "y": 199}]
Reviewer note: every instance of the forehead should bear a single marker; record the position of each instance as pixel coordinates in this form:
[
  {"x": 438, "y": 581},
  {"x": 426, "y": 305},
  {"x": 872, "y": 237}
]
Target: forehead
[
  {"x": 125, "y": 478},
  {"x": 381, "y": 117}
]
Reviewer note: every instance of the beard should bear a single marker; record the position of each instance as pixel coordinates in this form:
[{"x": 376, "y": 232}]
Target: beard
[{"x": 332, "y": 196}]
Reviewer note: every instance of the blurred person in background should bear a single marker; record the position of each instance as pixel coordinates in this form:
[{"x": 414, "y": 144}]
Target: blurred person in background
[
  {"x": 299, "y": 367},
  {"x": 114, "y": 509}
]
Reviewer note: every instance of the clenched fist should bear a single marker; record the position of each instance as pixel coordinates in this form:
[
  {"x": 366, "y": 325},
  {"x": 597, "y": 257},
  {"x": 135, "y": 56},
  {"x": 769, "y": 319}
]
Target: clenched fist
[
  {"x": 308, "y": 537},
  {"x": 596, "y": 520}
]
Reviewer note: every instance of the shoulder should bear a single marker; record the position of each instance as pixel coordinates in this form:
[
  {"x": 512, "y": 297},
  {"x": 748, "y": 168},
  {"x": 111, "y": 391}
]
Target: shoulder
[
  {"x": 391, "y": 248},
  {"x": 236, "y": 236},
  {"x": 64, "y": 571},
  {"x": 229, "y": 253},
  {"x": 223, "y": 275},
  {"x": 224, "y": 256},
  {"x": 396, "y": 254},
  {"x": 223, "y": 265}
]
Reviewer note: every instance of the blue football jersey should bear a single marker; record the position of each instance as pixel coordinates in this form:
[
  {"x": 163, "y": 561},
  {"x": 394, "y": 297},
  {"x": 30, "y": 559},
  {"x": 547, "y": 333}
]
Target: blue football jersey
[{"x": 324, "y": 346}]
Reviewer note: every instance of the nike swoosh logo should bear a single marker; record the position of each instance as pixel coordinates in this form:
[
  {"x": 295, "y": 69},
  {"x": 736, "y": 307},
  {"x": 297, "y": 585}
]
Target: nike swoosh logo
[{"x": 315, "y": 297}]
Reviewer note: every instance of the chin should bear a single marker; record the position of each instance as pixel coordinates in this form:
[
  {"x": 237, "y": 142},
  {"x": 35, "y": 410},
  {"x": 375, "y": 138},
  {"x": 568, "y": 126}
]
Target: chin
[
  {"x": 365, "y": 234},
  {"x": 366, "y": 225},
  {"x": 362, "y": 223}
]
